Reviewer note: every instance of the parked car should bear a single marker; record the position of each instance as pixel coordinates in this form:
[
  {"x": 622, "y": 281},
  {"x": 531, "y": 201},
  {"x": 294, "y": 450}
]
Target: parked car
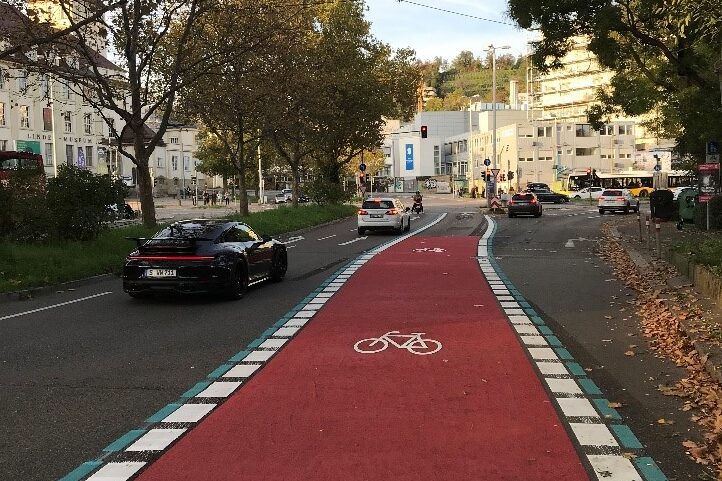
[
  {"x": 617, "y": 200},
  {"x": 203, "y": 256},
  {"x": 524, "y": 203},
  {"x": 383, "y": 213},
  {"x": 286, "y": 195},
  {"x": 546, "y": 195},
  {"x": 537, "y": 185},
  {"x": 120, "y": 211},
  {"x": 586, "y": 193}
]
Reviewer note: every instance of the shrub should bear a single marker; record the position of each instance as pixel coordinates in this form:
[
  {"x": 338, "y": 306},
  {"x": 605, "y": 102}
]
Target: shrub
[
  {"x": 323, "y": 192},
  {"x": 715, "y": 214},
  {"x": 24, "y": 216},
  {"x": 78, "y": 202}
]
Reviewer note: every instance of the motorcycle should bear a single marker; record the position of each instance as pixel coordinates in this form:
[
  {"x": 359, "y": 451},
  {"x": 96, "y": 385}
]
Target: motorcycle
[{"x": 417, "y": 208}]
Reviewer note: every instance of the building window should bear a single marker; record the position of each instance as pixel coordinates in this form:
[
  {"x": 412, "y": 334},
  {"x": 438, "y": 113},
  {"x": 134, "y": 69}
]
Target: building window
[
  {"x": 88, "y": 124},
  {"x": 2, "y": 113},
  {"x": 159, "y": 162},
  {"x": 581, "y": 151},
  {"x": 625, "y": 130},
  {"x": 527, "y": 159},
  {"x": 174, "y": 140},
  {"x": 2, "y": 78},
  {"x": 68, "y": 122},
  {"x": 437, "y": 160},
  {"x": 66, "y": 93},
  {"x": 625, "y": 156},
  {"x": 111, "y": 128},
  {"x": 584, "y": 130},
  {"x": 544, "y": 131},
  {"x": 174, "y": 162},
  {"x": 545, "y": 159},
  {"x": 24, "y": 114},
  {"x": 48, "y": 154},
  {"x": 47, "y": 119},
  {"x": 607, "y": 130},
  {"x": 186, "y": 163},
  {"x": 3, "y": 145},
  {"x": 89, "y": 155},
  {"x": 69, "y": 155},
  {"x": 23, "y": 82}
]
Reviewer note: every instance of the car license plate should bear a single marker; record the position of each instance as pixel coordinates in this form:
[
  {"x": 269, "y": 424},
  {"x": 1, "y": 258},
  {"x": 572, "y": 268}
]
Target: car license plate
[
  {"x": 376, "y": 216},
  {"x": 160, "y": 273}
]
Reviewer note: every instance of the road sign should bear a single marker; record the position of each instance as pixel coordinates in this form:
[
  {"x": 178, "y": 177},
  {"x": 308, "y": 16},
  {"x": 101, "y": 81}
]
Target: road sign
[
  {"x": 495, "y": 172},
  {"x": 712, "y": 147},
  {"x": 362, "y": 167},
  {"x": 657, "y": 168},
  {"x": 487, "y": 162},
  {"x": 495, "y": 203},
  {"x": 713, "y": 158}
]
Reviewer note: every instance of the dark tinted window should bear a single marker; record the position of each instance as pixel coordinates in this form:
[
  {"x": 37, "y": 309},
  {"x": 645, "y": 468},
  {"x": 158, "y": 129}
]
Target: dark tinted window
[
  {"x": 525, "y": 197},
  {"x": 18, "y": 163},
  {"x": 612, "y": 193},
  {"x": 239, "y": 233},
  {"x": 185, "y": 230},
  {"x": 378, "y": 204}
]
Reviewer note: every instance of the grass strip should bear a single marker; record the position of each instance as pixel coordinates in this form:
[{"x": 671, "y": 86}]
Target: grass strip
[
  {"x": 23, "y": 266},
  {"x": 707, "y": 253}
]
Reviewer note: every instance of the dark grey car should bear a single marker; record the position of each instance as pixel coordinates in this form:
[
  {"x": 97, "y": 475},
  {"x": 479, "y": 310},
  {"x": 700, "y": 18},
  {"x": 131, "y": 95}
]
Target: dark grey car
[{"x": 524, "y": 203}]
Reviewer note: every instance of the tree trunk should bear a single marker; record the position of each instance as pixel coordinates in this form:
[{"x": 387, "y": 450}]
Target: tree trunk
[
  {"x": 145, "y": 193},
  {"x": 296, "y": 183},
  {"x": 242, "y": 192}
]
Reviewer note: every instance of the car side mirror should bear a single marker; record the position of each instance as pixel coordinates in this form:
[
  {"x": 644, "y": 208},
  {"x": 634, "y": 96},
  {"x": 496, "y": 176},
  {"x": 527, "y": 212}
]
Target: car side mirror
[{"x": 266, "y": 238}]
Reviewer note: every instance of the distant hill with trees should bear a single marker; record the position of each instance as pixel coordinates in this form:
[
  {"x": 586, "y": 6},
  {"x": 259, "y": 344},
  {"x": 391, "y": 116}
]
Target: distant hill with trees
[{"x": 467, "y": 76}]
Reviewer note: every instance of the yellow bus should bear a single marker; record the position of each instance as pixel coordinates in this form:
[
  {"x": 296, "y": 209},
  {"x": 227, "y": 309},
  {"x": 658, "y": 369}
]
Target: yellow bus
[{"x": 639, "y": 182}]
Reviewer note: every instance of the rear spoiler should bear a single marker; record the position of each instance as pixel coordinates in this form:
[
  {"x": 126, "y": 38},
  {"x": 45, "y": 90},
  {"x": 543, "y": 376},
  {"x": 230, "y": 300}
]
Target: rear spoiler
[{"x": 141, "y": 242}]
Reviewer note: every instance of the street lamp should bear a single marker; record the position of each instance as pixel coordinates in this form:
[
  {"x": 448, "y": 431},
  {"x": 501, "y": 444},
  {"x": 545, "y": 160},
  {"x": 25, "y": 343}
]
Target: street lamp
[{"x": 493, "y": 50}]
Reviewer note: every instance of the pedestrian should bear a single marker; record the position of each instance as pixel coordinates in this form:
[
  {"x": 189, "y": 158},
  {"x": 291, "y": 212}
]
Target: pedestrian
[
  {"x": 205, "y": 197},
  {"x": 226, "y": 198},
  {"x": 214, "y": 198}
]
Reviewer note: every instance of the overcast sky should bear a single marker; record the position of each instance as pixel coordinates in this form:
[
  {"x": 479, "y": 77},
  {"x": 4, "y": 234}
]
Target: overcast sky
[{"x": 434, "y": 33}]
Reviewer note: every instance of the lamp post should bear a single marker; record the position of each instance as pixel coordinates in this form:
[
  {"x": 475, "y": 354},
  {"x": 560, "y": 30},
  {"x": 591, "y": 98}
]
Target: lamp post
[{"x": 493, "y": 50}]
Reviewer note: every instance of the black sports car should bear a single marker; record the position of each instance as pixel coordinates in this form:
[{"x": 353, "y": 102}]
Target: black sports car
[{"x": 203, "y": 256}]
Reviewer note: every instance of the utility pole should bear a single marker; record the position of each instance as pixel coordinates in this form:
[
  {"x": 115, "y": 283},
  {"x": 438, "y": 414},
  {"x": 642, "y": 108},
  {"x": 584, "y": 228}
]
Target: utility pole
[{"x": 493, "y": 49}]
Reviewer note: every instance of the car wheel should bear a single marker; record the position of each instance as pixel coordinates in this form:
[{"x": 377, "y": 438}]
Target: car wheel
[
  {"x": 239, "y": 284},
  {"x": 601, "y": 211},
  {"x": 538, "y": 214},
  {"x": 138, "y": 295},
  {"x": 511, "y": 216},
  {"x": 643, "y": 193},
  {"x": 279, "y": 264},
  {"x": 577, "y": 196},
  {"x": 626, "y": 209},
  {"x": 361, "y": 231}
]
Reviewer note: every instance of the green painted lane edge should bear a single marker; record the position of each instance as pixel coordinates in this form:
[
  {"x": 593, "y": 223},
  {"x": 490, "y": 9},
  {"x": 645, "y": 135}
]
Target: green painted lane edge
[
  {"x": 199, "y": 387},
  {"x": 163, "y": 413},
  {"x": 645, "y": 465},
  {"x": 124, "y": 440},
  {"x": 609, "y": 413},
  {"x": 649, "y": 469},
  {"x": 81, "y": 471},
  {"x": 626, "y": 436},
  {"x": 238, "y": 357},
  {"x": 219, "y": 371}
]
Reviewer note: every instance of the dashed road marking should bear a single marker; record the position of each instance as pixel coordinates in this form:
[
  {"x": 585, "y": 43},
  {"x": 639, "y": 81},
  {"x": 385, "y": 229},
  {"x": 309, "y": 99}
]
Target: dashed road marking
[{"x": 40, "y": 309}]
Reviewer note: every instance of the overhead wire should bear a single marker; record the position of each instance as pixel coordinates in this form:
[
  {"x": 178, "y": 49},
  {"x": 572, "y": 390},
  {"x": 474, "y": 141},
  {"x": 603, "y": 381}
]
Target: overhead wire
[{"x": 453, "y": 12}]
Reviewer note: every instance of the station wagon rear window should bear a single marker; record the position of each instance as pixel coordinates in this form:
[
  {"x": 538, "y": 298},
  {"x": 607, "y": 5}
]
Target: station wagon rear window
[
  {"x": 526, "y": 197},
  {"x": 378, "y": 204},
  {"x": 612, "y": 193}
]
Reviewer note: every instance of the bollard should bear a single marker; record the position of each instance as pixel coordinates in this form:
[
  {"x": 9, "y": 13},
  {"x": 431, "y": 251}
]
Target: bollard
[
  {"x": 657, "y": 234},
  {"x": 649, "y": 233},
  {"x": 639, "y": 221}
]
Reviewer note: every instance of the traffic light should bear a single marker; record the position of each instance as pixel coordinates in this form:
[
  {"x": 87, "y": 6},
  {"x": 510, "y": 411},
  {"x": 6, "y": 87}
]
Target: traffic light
[
  {"x": 361, "y": 178},
  {"x": 503, "y": 177},
  {"x": 510, "y": 175},
  {"x": 424, "y": 131},
  {"x": 155, "y": 182}
]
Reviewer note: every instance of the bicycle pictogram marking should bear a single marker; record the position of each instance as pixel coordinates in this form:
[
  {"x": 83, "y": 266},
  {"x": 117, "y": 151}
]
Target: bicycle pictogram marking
[
  {"x": 413, "y": 343},
  {"x": 437, "y": 250}
]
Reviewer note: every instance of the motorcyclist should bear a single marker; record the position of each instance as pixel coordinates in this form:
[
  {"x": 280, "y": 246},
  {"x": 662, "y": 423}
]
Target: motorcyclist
[{"x": 418, "y": 199}]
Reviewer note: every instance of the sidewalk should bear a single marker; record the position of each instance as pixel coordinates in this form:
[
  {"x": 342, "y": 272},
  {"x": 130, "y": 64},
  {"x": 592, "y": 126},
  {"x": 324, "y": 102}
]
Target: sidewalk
[{"x": 168, "y": 208}]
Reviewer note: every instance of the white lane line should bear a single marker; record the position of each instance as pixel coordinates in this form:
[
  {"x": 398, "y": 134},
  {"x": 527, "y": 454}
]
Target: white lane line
[
  {"x": 570, "y": 243},
  {"x": 327, "y": 237},
  {"x": 116, "y": 471},
  {"x": 40, "y": 309},
  {"x": 613, "y": 468},
  {"x": 291, "y": 240},
  {"x": 354, "y": 240}
]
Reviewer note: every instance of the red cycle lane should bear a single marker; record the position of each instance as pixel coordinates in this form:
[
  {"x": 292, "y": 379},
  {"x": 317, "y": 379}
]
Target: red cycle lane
[{"x": 320, "y": 410}]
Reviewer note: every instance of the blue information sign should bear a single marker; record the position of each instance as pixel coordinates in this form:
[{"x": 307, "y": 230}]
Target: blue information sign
[
  {"x": 712, "y": 147},
  {"x": 657, "y": 168},
  {"x": 487, "y": 162},
  {"x": 362, "y": 167},
  {"x": 409, "y": 156}
]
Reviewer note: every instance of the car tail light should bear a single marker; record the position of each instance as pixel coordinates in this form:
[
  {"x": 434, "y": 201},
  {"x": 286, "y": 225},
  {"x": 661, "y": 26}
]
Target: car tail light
[
  {"x": 621, "y": 199},
  {"x": 169, "y": 258},
  {"x": 392, "y": 212},
  {"x": 511, "y": 202},
  {"x": 533, "y": 201},
  {"x": 362, "y": 212}
]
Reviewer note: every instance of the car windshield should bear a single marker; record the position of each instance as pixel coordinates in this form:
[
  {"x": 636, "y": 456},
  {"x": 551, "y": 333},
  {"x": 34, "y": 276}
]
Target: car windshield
[
  {"x": 187, "y": 230},
  {"x": 525, "y": 197},
  {"x": 612, "y": 193},
  {"x": 378, "y": 204}
]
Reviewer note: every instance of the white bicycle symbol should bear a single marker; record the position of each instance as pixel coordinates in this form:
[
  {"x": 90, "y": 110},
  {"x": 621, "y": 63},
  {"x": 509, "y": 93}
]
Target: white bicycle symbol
[{"x": 414, "y": 343}]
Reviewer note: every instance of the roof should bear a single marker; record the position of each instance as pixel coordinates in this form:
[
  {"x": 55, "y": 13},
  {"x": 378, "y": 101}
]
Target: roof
[{"x": 128, "y": 138}]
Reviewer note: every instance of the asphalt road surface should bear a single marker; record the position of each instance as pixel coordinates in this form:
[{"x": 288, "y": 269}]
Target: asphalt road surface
[{"x": 82, "y": 370}]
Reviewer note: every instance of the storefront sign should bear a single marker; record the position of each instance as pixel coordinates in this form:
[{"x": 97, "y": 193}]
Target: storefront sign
[{"x": 28, "y": 146}]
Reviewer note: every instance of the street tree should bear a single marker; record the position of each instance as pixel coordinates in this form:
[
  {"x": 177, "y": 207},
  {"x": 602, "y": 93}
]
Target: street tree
[
  {"x": 151, "y": 40},
  {"x": 231, "y": 101}
]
